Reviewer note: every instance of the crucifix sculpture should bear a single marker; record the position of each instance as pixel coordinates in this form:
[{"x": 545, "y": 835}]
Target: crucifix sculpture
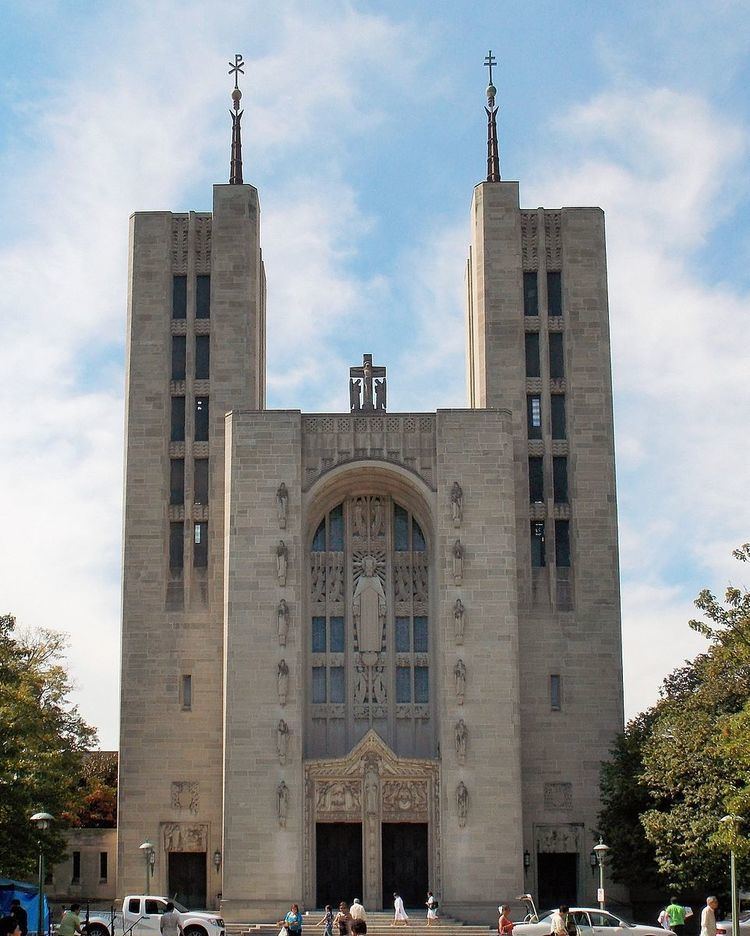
[{"x": 367, "y": 387}]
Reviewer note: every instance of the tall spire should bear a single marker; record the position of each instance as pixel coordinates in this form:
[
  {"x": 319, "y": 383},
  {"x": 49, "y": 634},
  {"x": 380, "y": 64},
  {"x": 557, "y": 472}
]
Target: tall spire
[
  {"x": 493, "y": 149},
  {"x": 235, "y": 165}
]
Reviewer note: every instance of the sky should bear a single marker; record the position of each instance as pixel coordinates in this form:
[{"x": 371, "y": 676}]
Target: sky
[{"x": 364, "y": 132}]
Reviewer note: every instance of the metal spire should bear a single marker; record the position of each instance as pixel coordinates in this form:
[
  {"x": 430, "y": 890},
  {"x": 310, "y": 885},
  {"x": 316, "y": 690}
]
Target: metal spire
[
  {"x": 493, "y": 149},
  {"x": 235, "y": 166}
]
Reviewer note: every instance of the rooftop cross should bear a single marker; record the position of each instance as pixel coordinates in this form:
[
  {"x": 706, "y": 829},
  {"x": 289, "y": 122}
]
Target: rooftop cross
[
  {"x": 493, "y": 147},
  {"x": 489, "y": 61},
  {"x": 367, "y": 387},
  {"x": 235, "y": 165}
]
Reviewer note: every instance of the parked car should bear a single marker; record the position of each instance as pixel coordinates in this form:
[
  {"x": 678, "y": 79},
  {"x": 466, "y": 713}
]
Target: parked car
[
  {"x": 141, "y": 916},
  {"x": 724, "y": 927},
  {"x": 590, "y": 920}
]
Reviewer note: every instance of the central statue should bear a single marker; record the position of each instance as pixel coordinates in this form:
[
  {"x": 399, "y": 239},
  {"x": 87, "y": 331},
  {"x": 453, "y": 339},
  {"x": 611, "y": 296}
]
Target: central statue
[{"x": 369, "y": 607}]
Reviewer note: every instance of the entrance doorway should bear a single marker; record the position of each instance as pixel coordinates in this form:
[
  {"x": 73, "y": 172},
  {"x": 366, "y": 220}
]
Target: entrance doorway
[
  {"x": 557, "y": 879},
  {"x": 186, "y": 874},
  {"x": 405, "y": 870},
  {"x": 338, "y": 862}
]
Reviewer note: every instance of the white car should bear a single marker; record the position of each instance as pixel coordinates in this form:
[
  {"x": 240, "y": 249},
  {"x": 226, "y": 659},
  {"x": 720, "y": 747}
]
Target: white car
[
  {"x": 724, "y": 927},
  {"x": 591, "y": 920}
]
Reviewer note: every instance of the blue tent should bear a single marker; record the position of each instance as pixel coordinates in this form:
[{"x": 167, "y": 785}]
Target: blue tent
[{"x": 28, "y": 895}]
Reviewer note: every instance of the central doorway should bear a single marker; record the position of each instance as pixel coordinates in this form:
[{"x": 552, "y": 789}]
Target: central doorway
[
  {"x": 557, "y": 879},
  {"x": 339, "y": 862},
  {"x": 405, "y": 869},
  {"x": 186, "y": 876}
]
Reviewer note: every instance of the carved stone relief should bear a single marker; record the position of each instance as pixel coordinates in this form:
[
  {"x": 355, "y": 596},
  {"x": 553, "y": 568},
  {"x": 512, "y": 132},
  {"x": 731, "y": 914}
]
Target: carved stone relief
[
  {"x": 369, "y": 607},
  {"x": 338, "y": 798},
  {"x": 559, "y": 838},
  {"x": 282, "y": 740},
  {"x": 459, "y": 676},
  {"x": 553, "y": 239},
  {"x": 335, "y": 576},
  {"x": 530, "y": 240},
  {"x": 203, "y": 245},
  {"x": 282, "y": 622},
  {"x": 462, "y": 804},
  {"x": 459, "y": 613},
  {"x": 282, "y": 505},
  {"x": 282, "y": 681},
  {"x": 368, "y": 519},
  {"x": 461, "y": 740},
  {"x": 558, "y": 796},
  {"x": 318, "y": 564},
  {"x": 181, "y": 837},
  {"x": 458, "y": 562},
  {"x": 179, "y": 243},
  {"x": 405, "y": 799},
  {"x": 282, "y": 803},
  {"x": 185, "y": 795},
  {"x": 282, "y": 560},
  {"x": 457, "y": 504}
]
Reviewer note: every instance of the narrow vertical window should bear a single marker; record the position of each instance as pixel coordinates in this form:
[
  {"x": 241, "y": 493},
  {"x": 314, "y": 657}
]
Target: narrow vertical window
[
  {"x": 319, "y": 634},
  {"x": 179, "y": 297},
  {"x": 530, "y": 294},
  {"x": 178, "y": 419},
  {"x": 538, "y": 558},
  {"x": 200, "y": 545},
  {"x": 421, "y": 684},
  {"x": 178, "y": 357},
  {"x": 420, "y": 634},
  {"x": 201, "y": 419},
  {"x": 403, "y": 635},
  {"x": 558, "y": 415},
  {"x": 186, "y": 692},
  {"x": 536, "y": 479},
  {"x": 336, "y": 529},
  {"x": 556, "y": 357},
  {"x": 336, "y": 691},
  {"x": 336, "y": 635},
  {"x": 319, "y": 540},
  {"x": 202, "y": 356},
  {"x": 203, "y": 297},
  {"x": 200, "y": 480},
  {"x": 176, "y": 546},
  {"x": 554, "y": 294},
  {"x": 555, "y": 692},
  {"x": 532, "y": 354},
  {"x": 319, "y": 684},
  {"x": 403, "y": 684},
  {"x": 103, "y": 869},
  {"x": 76, "y": 868},
  {"x": 562, "y": 543},
  {"x": 560, "y": 478},
  {"x": 534, "y": 416},
  {"x": 177, "y": 481}
]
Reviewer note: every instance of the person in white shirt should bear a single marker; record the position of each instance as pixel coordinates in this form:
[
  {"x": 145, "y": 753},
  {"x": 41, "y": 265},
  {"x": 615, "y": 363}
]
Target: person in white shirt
[
  {"x": 708, "y": 917},
  {"x": 401, "y": 918},
  {"x": 359, "y": 918}
]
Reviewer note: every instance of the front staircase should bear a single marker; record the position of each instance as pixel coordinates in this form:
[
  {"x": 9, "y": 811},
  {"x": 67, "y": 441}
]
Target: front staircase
[{"x": 378, "y": 924}]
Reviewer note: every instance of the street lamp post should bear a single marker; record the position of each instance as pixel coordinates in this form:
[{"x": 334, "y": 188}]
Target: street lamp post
[
  {"x": 42, "y": 821},
  {"x": 150, "y": 856},
  {"x": 733, "y": 821},
  {"x": 600, "y": 850}
]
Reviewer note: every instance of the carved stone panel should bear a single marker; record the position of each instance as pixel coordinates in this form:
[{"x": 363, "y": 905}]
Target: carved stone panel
[
  {"x": 338, "y": 800},
  {"x": 558, "y": 796},
  {"x": 185, "y": 837},
  {"x": 559, "y": 838},
  {"x": 405, "y": 800},
  {"x": 185, "y": 796}
]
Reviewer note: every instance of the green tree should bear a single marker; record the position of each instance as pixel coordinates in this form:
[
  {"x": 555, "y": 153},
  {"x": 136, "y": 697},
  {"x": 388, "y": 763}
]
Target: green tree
[{"x": 42, "y": 741}]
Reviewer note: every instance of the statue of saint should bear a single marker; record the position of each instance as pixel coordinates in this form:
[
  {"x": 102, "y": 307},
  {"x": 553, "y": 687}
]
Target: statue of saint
[
  {"x": 282, "y": 740},
  {"x": 371, "y": 792},
  {"x": 282, "y": 559},
  {"x": 458, "y": 620},
  {"x": 355, "y": 390},
  {"x": 461, "y": 737},
  {"x": 378, "y": 687},
  {"x": 458, "y": 562},
  {"x": 457, "y": 504},
  {"x": 282, "y": 681},
  {"x": 380, "y": 394},
  {"x": 369, "y": 607},
  {"x": 459, "y": 675},
  {"x": 462, "y": 803},
  {"x": 282, "y": 622},
  {"x": 282, "y": 503},
  {"x": 282, "y": 803}
]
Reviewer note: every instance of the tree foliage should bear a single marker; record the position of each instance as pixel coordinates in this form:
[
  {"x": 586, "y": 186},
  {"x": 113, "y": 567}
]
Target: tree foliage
[
  {"x": 42, "y": 741},
  {"x": 684, "y": 764},
  {"x": 98, "y": 787}
]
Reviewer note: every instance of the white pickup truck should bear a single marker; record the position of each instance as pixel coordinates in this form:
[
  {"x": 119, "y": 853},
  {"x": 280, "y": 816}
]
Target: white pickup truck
[{"x": 140, "y": 916}]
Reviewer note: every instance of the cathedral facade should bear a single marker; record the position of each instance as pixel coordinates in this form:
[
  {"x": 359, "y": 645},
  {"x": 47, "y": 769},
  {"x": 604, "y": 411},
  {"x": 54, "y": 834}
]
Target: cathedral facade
[{"x": 367, "y": 651}]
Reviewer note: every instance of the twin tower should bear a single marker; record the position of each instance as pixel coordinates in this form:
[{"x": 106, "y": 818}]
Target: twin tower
[{"x": 367, "y": 652}]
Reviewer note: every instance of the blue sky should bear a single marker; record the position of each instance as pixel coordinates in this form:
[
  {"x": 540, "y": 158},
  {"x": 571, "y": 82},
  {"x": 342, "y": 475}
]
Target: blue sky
[{"x": 364, "y": 132}]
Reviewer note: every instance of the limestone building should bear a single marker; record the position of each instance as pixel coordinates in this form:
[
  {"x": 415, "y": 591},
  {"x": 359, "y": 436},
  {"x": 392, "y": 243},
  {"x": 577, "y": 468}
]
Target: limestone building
[{"x": 367, "y": 651}]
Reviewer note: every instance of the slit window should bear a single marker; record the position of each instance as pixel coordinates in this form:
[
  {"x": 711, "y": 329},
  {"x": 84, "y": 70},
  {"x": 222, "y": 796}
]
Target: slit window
[
  {"x": 201, "y": 419},
  {"x": 76, "y": 867},
  {"x": 556, "y": 357},
  {"x": 178, "y": 419},
  {"x": 200, "y": 480},
  {"x": 200, "y": 545},
  {"x": 536, "y": 479},
  {"x": 103, "y": 867},
  {"x": 554, "y": 294},
  {"x": 530, "y": 294},
  {"x": 538, "y": 558},
  {"x": 534, "y": 416},
  {"x": 178, "y": 357},
  {"x": 562, "y": 543},
  {"x": 176, "y": 545},
  {"x": 557, "y": 402},
  {"x": 555, "y": 692},
  {"x": 319, "y": 635},
  {"x": 336, "y": 687},
  {"x": 532, "y": 354},
  {"x": 403, "y": 684},
  {"x": 319, "y": 684},
  {"x": 202, "y": 356},
  {"x": 179, "y": 297},
  {"x": 403, "y": 637},
  {"x": 560, "y": 478},
  {"x": 186, "y": 692},
  {"x": 203, "y": 297},
  {"x": 177, "y": 481},
  {"x": 336, "y": 634},
  {"x": 421, "y": 684}
]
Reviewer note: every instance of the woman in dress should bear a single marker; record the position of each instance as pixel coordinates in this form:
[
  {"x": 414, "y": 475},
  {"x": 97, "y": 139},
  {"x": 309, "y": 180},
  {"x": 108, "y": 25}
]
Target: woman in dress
[
  {"x": 401, "y": 918},
  {"x": 343, "y": 920},
  {"x": 432, "y": 908},
  {"x": 504, "y": 924}
]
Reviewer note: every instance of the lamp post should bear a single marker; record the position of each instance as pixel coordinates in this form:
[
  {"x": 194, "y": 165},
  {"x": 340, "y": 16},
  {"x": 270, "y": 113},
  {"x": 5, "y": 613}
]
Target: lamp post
[
  {"x": 733, "y": 821},
  {"x": 600, "y": 850},
  {"x": 150, "y": 856},
  {"x": 42, "y": 821}
]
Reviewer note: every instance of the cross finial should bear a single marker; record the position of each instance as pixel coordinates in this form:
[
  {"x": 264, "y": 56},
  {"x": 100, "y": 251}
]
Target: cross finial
[
  {"x": 237, "y": 69},
  {"x": 489, "y": 61},
  {"x": 235, "y": 168}
]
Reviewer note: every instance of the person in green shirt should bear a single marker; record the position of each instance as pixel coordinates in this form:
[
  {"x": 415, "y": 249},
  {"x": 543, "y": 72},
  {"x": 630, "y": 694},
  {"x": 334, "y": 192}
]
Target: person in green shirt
[
  {"x": 676, "y": 913},
  {"x": 70, "y": 925}
]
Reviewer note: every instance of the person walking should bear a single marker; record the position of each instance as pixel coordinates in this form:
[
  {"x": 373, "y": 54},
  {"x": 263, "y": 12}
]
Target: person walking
[
  {"x": 292, "y": 921},
  {"x": 359, "y": 918},
  {"x": 169, "y": 924},
  {"x": 343, "y": 920},
  {"x": 504, "y": 924},
  {"x": 400, "y": 917},
  {"x": 708, "y": 917},
  {"x": 432, "y": 909},
  {"x": 70, "y": 924},
  {"x": 676, "y": 913},
  {"x": 17, "y": 911},
  {"x": 327, "y": 921},
  {"x": 9, "y": 926}
]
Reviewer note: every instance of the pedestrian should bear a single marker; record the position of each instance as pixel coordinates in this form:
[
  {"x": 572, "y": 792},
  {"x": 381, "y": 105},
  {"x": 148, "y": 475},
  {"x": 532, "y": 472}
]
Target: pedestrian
[
  {"x": 504, "y": 924},
  {"x": 327, "y": 921},
  {"x": 663, "y": 919},
  {"x": 359, "y": 918},
  {"x": 676, "y": 913},
  {"x": 708, "y": 917},
  {"x": 9, "y": 926},
  {"x": 169, "y": 924},
  {"x": 400, "y": 917},
  {"x": 343, "y": 919},
  {"x": 562, "y": 922},
  {"x": 432, "y": 909},
  {"x": 17, "y": 911},
  {"x": 292, "y": 922},
  {"x": 70, "y": 924}
]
